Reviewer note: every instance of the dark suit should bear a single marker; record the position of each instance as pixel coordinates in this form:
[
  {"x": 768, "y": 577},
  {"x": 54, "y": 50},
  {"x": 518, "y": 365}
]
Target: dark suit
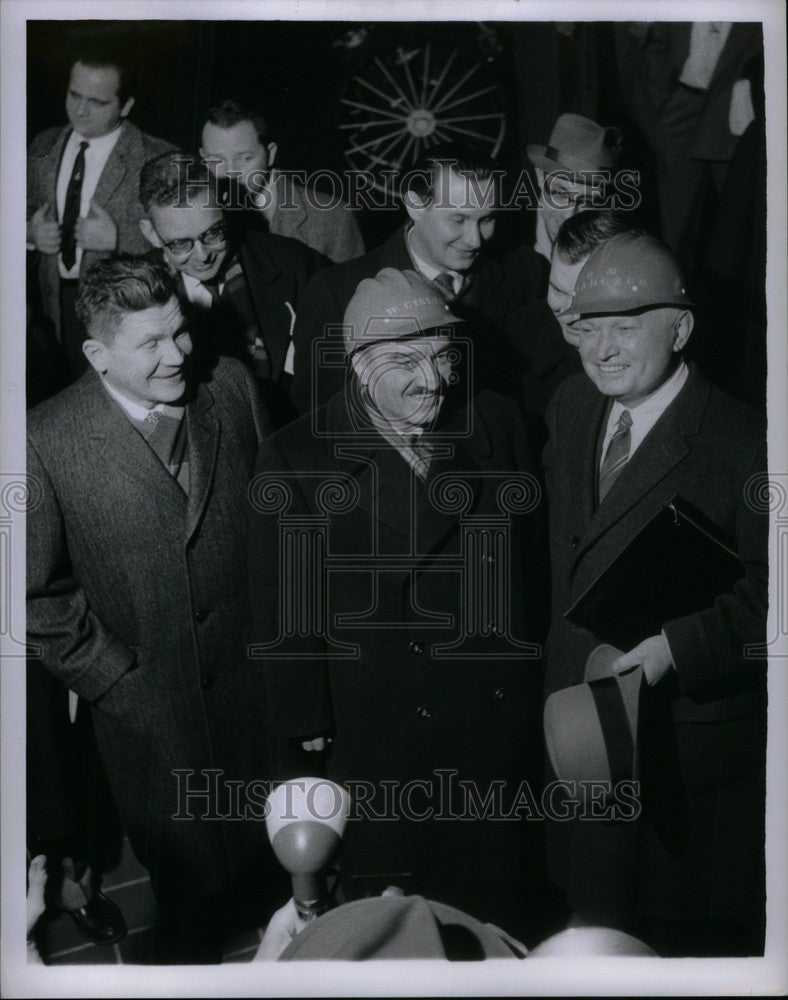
[
  {"x": 507, "y": 346},
  {"x": 699, "y": 847},
  {"x": 137, "y": 595},
  {"x": 399, "y": 711},
  {"x": 117, "y": 192},
  {"x": 276, "y": 270},
  {"x": 687, "y": 129}
]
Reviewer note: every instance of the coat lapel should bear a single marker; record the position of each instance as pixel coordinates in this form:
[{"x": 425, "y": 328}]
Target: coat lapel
[
  {"x": 204, "y": 432},
  {"x": 663, "y": 448},
  {"x": 123, "y": 452},
  {"x": 128, "y": 149},
  {"x": 53, "y": 166}
]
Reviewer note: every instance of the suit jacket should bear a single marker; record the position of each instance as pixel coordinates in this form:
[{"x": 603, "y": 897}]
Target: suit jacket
[
  {"x": 398, "y": 711},
  {"x": 663, "y": 50},
  {"x": 702, "y": 734},
  {"x": 137, "y": 596},
  {"x": 504, "y": 348},
  {"x": 277, "y": 270},
  {"x": 117, "y": 192},
  {"x": 331, "y": 231}
]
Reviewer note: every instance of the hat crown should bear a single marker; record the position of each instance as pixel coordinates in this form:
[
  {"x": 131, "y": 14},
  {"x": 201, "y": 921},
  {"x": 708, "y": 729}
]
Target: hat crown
[
  {"x": 392, "y": 305},
  {"x": 626, "y": 273},
  {"x": 578, "y": 143}
]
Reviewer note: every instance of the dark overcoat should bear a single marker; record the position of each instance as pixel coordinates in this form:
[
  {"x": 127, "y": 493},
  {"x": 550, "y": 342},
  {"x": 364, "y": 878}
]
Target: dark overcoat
[
  {"x": 407, "y": 565},
  {"x": 137, "y": 596},
  {"x": 699, "y": 848}
]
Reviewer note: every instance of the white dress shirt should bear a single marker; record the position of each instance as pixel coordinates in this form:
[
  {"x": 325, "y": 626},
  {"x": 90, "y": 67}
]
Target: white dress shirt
[
  {"x": 96, "y": 156},
  {"x": 197, "y": 293},
  {"x": 707, "y": 41},
  {"x": 646, "y": 413}
]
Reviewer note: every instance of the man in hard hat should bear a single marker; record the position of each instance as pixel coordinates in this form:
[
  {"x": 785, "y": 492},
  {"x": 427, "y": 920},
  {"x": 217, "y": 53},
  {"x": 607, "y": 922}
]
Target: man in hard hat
[
  {"x": 387, "y": 670},
  {"x": 642, "y": 429}
]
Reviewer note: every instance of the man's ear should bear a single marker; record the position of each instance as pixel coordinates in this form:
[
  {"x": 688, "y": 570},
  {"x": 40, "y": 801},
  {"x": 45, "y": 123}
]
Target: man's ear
[
  {"x": 127, "y": 107},
  {"x": 96, "y": 353},
  {"x": 150, "y": 234},
  {"x": 415, "y": 205},
  {"x": 270, "y": 153},
  {"x": 683, "y": 326}
]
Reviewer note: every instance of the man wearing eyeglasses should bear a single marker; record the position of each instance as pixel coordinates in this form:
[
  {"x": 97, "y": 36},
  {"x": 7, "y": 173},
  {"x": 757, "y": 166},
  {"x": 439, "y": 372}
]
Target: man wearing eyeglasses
[{"x": 242, "y": 292}]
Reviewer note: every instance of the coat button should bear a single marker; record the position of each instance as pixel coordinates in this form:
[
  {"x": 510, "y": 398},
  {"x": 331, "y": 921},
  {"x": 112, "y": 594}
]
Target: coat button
[
  {"x": 500, "y": 694},
  {"x": 207, "y": 683},
  {"x": 575, "y": 541},
  {"x": 488, "y": 559},
  {"x": 416, "y": 648},
  {"x": 201, "y": 615},
  {"x": 423, "y": 712}
]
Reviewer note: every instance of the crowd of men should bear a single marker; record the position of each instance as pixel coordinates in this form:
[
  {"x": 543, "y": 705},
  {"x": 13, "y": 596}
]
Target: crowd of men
[{"x": 454, "y": 525}]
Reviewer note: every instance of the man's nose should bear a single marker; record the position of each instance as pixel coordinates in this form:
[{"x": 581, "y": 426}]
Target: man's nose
[
  {"x": 82, "y": 106},
  {"x": 172, "y": 354},
  {"x": 606, "y": 345},
  {"x": 200, "y": 252},
  {"x": 473, "y": 236}
]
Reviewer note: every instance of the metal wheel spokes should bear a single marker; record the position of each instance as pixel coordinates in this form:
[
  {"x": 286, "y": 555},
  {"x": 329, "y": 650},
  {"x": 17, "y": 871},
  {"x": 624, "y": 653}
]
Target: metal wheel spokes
[{"x": 400, "y": 104}]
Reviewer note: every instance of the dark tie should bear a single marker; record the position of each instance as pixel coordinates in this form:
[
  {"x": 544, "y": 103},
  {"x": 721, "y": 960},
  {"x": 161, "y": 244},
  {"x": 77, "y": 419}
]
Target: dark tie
[
  {"x": 445, "y": 284},
  {"x": 68, "y": 243},
  {"x": 423, "y": 450},
  {"x": 617, "y": 454}
]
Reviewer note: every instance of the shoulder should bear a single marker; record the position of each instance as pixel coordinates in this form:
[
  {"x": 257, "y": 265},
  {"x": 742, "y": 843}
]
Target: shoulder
[
  {"x": 728, "y": 418},
  {"x": 60, "y": 420},
  {"x": 43, "y": 143},
  {"x": 228, "y": 379},
  {"x": 289, "y": 253},
  {"x": 296, "y": 446}
]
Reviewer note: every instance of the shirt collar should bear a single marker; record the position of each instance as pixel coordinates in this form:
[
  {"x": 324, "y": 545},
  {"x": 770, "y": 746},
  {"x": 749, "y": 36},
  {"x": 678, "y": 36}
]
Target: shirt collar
[
  {"x": 136, "y": 410},
  {"x": 101, "y": 143},
  {"x": 421, "y": 265}
]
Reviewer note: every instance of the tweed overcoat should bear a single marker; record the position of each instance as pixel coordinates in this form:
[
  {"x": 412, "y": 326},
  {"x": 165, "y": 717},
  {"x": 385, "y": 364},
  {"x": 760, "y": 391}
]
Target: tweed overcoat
[
  {"x": 137, "y": 596},
  {"x": 117, "y": 192},
  {"x": 699, "y": 848},
  {"x": 398, "y": 707}
]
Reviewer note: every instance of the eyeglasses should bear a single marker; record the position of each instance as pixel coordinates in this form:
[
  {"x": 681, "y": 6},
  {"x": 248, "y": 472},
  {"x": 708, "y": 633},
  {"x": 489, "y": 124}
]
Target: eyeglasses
[{"x": 215, "y": 236}]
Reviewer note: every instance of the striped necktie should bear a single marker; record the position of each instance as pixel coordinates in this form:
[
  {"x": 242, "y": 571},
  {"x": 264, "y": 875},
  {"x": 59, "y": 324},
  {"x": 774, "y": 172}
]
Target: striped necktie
[{"x": 617, "y": 454}]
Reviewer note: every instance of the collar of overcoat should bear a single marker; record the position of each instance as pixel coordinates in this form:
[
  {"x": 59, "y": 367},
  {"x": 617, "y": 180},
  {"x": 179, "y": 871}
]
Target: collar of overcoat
[
  {"x": 124, "y": 452},
  {"x": 391, "y": 493},
  {"x": 663, "y": 448}
]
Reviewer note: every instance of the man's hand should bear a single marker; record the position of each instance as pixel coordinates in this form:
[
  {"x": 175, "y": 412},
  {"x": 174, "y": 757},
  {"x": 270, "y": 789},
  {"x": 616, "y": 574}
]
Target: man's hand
[
  {"x": 652, "y": 654},
  {"x": 44, "y": 230},
  {"x": 282, "y": 928},
  {"x": 96, "y": 230},
  {"x": 318, "y": 743}
]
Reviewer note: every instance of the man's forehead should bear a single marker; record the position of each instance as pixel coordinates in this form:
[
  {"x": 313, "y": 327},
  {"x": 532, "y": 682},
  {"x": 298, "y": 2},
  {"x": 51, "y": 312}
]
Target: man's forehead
[
  {"x": 173, "y": 221},
  {"x": 465, "y": 191},
  {"x": 105, "y": 78},
  {"x": 155, "y": 321},
  {"x": 241, "y": 135}
]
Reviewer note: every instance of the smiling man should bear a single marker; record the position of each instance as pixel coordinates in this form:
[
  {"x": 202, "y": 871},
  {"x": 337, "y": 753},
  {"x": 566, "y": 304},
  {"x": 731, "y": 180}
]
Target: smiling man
[
  {"x": 137, "y": 587},
  {"x": 240, "y": 290},
  {"x": 393, "y": 698},
  {"x": 451, "y": 198},
  {"x": 82, "y": 186},
  {"x": 236, "y": 144},
  {"x": 642, "y": 429}
]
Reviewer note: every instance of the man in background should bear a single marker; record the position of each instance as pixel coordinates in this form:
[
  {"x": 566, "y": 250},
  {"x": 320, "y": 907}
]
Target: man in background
[{"x": 83, "y": 187}]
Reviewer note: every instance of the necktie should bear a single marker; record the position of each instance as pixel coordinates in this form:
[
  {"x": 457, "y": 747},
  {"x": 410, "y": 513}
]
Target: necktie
[
  {"x": 445, "y": 284},
  {"x": 68, "y": 243},
  {"x": 617, "y": 454},
  {"x": 422, "y": 451},
  {"x": 166, "y": 435}
]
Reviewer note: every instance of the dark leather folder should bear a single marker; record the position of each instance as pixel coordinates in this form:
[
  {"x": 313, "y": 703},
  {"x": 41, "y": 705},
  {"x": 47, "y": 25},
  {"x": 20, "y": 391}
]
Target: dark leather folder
[{"x": 678, "y": 564}]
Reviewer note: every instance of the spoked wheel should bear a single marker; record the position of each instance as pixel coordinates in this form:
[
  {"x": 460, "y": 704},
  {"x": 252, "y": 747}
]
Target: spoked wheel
[{"x": 399, "y": 104}]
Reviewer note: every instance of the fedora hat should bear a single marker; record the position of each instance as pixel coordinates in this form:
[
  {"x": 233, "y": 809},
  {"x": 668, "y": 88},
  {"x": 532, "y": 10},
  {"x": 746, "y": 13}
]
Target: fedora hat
[
  {"x": 578, "y": 144},
  {"x": 591, "y": 728},
  {"x": 386, "y": 927}
]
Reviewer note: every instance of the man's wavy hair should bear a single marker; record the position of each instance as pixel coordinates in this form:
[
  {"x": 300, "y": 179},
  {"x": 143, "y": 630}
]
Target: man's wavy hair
[
  {"x": 227, "y": 113},
  {"x": 464, "y": 158},
  {"x": 176, "y": 179},
  {"x": 581, "y": 233},
  {"x": 119, "y": 285}
]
